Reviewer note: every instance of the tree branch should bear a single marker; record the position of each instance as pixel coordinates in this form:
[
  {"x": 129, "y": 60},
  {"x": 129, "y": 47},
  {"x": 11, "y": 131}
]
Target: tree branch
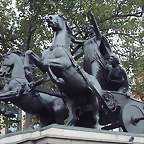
[
  {"x": 79, "y": 55},
  {"x": 29, "y": 35},
  {"x": 76, "y": 49},
  {"x": 2, "y": 40},
  {"x": 14, "y": 42},
  {"x": 120, "y": 54},
  {"x": 79, "y": 32},
  {"x": 30, "y": 30},
  {"x": 113, "y": 33},
  {"x": 137, "y": 14}
]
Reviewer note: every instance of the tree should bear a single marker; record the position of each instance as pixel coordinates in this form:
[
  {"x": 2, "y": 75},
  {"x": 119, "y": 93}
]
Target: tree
[{"x": 22, "y": 26}]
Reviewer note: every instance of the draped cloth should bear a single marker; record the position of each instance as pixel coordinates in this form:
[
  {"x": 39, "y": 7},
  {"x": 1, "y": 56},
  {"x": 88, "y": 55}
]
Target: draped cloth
[{"x": 96, "y": 54}]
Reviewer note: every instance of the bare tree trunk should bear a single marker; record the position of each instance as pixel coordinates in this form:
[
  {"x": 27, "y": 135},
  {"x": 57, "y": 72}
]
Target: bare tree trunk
[{"x": 28, "y": 122}]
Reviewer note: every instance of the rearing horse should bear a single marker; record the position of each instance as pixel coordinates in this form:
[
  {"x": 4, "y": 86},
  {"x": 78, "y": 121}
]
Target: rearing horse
[
  {"x": 47, "y": 107},
  {"x": 80, "y": 87}
]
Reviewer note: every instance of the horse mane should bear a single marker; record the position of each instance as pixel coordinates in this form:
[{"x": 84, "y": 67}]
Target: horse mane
[
  {"x": 33, "y": 70},
  {"x": 18, "y": 52},
  {"x": 69, "y": 31},
  {"x": 22, "y": 55}
]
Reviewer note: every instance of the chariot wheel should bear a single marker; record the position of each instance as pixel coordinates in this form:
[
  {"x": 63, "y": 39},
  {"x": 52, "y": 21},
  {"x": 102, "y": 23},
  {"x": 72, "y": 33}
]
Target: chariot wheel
[{"x": 132, "y": 117}]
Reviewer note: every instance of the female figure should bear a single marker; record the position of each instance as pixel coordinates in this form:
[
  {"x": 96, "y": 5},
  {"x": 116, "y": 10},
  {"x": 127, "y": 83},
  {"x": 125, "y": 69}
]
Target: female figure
[{"x": 96, "y": 51}]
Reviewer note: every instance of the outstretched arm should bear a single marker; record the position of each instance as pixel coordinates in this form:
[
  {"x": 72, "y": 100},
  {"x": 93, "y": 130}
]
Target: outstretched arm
[
  {"x": 94, "y": 23},
  {"x": 77, "y": 41},
  {"x": 75, "y": 49}
]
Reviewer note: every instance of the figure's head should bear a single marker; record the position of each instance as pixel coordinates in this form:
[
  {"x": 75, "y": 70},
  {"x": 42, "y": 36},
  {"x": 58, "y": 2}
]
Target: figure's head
[
  {"x": 113, "y": 60},
  {"x": 90, "y": 30},
  {"x": 56, "y": 21}
]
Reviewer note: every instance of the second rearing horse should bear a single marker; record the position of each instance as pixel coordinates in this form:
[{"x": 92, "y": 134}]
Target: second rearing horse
[
  {"x": 79, "y": 87},
  {"x": 47, "y": 107}
]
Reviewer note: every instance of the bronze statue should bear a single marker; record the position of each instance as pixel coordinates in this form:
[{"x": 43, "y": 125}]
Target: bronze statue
[
  {"x": 96, "y": 52},
  {"x": 94, "y": 96},
  {"x": 79, "y": 87}
]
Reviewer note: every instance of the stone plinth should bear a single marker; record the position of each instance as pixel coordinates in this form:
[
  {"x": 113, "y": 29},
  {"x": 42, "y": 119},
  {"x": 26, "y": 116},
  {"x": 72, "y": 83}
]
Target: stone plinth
[{"x": 58, "y": 134}]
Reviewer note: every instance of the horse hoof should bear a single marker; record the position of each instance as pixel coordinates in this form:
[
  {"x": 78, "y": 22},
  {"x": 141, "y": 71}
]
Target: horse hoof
[
  {"x": 97, "y": 127},
  {"x": 71, "y": 122},
  {"x": 68, "y": 123}
]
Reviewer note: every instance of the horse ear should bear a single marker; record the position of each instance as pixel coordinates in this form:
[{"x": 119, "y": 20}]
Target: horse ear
[
  {"x": 17, "y": 51},
  {"x": 62, "y": 16},
  {"x": 9, "y": 51},
  {"x": 14, "y": 51}
]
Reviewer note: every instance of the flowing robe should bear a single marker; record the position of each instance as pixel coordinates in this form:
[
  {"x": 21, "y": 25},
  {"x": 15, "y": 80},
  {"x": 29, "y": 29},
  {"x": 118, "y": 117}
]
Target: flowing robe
[{"x": 96, "y": 53}]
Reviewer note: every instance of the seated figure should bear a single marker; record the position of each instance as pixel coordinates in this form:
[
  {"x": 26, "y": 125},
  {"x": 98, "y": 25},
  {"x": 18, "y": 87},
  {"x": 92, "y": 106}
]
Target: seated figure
[{"x": 117, "y": 77}]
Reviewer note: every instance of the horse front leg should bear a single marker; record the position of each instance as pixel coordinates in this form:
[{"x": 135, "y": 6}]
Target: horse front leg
[
  {"x": 31, "y": 56},
  {"x": 8, "y": 94},
  {"x": 58, "y": 63},
  {"x": 72, "y": 112},
  {"x": 12, "y": 90}
]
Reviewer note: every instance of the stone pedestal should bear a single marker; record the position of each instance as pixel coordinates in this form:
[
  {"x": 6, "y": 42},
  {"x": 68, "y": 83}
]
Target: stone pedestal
[{"x": 58, "y": 134}]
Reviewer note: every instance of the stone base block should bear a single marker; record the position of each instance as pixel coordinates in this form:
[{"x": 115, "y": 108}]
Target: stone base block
[{"x": 58, "y": 134}]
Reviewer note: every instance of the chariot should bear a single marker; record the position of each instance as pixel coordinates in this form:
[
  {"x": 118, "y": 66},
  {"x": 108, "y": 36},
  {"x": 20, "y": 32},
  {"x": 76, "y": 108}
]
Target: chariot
[
  {"x": 117, "y": 110},
  {"x": 87, "y": 102}
]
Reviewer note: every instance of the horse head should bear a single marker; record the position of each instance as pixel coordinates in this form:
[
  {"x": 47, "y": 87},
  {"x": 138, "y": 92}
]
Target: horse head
[
  {"x": 62, "y": 31},
  {"x": 6, "y": 64},
  {"x": 56, "y": 22},
  {"x": 9, "y": 58}
]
